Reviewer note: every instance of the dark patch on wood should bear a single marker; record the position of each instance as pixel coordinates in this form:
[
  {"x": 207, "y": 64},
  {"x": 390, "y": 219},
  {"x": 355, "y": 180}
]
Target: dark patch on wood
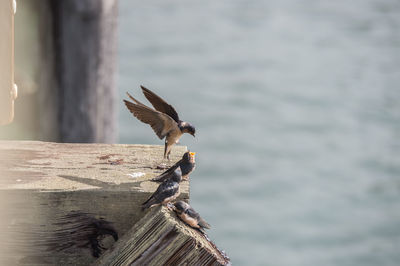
[
  {"x": 105, "y": 157},
  {"x": 108, "y": 156},
  {"x": 81, "y": 230},
  {"x": 112, "y": 162},
  {"x": 146, "y": 167},
  {"x": 116, "y": 162},
  {"x": 66, "y": 234}
]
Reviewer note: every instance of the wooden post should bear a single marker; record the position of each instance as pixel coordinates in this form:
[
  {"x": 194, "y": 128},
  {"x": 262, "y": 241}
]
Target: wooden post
[
  {"x": 57, "y": 200},
  {"x": 160, "y": 238},
  {"x": 8, "y": 92},
  {"x": 85, "y": 33}
]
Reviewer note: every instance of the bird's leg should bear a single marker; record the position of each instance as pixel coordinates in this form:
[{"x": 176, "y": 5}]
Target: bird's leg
[
  {"x": 169, "y": 152},
  {"x": 166, "y": 149}
]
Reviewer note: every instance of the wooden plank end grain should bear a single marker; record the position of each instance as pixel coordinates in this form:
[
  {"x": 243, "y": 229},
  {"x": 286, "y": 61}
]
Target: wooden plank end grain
[{"x": 160, "y": 238}]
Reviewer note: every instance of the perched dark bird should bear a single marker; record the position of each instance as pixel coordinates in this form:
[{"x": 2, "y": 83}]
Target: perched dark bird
[
  {"x": 187, "y": 214},
  {"x": 167, "y": 191},
  {"x": 187, "y": 165},
  {"x": 164, "y": 120}
]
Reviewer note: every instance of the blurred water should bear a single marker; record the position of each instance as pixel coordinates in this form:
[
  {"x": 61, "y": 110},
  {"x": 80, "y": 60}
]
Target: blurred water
[{"x": 297, "y": 109}]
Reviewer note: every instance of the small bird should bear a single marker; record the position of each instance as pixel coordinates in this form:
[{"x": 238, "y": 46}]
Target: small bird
[
  {"x": 187, "y": 214},
  {"x": 187, "y": 165},
  {"x": 164, "y": 120},
  {"x": 166, "y": 192}
]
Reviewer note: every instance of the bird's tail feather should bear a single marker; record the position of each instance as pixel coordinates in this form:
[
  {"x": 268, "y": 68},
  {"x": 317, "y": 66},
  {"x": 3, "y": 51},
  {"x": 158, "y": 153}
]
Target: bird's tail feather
[
  {"x": 148, "y": 203},
  {"x": 204, "y": 224}
]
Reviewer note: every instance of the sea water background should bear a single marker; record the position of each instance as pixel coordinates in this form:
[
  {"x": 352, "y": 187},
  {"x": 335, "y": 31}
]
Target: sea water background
[{"x": 297, "y": 109}]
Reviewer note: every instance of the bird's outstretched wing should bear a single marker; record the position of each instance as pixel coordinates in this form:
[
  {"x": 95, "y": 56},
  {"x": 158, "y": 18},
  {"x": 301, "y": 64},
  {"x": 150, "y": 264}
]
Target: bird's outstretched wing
[
  {"x": 159, "y": 104},
  {"x": 159, "y": 122},
  {"x": 166, "y": 174},
  {"x": 133, "y": 99}
]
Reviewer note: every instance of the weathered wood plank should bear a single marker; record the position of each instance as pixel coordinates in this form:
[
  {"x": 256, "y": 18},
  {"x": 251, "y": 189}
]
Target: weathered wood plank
[
  {"x": 42, "y": 183},
  {"x": 160, "y": 238}
]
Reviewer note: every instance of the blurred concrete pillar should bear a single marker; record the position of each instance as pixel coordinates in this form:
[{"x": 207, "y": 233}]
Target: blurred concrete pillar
[{"x": 85, "y": 34}]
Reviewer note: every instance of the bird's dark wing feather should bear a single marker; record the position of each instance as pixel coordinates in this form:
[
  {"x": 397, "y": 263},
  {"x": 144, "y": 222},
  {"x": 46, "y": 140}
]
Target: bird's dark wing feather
[
  {"x": 166, "y": 190},
  {"x": 192, "y": 213},
  {"x": 159, "y": 104},
  {"x": 159, "y": 122},
  {"x": 133, "y": 99},
  {"x": 165, "y": 175}
]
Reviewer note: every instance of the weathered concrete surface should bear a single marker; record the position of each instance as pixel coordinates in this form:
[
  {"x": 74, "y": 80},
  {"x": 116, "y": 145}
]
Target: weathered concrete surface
[
  {"x": 42, "y": 184},
  {"x": 160, "y": 238}
]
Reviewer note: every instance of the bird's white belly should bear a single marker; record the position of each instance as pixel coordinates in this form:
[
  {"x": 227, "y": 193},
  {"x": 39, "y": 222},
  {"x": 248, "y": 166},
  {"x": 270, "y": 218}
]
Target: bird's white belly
[{"x": 189, "y": 220}]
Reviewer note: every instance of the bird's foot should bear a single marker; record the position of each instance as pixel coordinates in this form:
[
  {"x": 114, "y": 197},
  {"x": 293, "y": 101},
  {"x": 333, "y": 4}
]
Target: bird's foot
[
  {"x": 170, "y": 206},
  {"x": 162, "y": 166}
]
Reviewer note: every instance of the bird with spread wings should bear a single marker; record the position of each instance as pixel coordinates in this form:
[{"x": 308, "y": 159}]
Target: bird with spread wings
[{"x": 163, "y": 119}]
